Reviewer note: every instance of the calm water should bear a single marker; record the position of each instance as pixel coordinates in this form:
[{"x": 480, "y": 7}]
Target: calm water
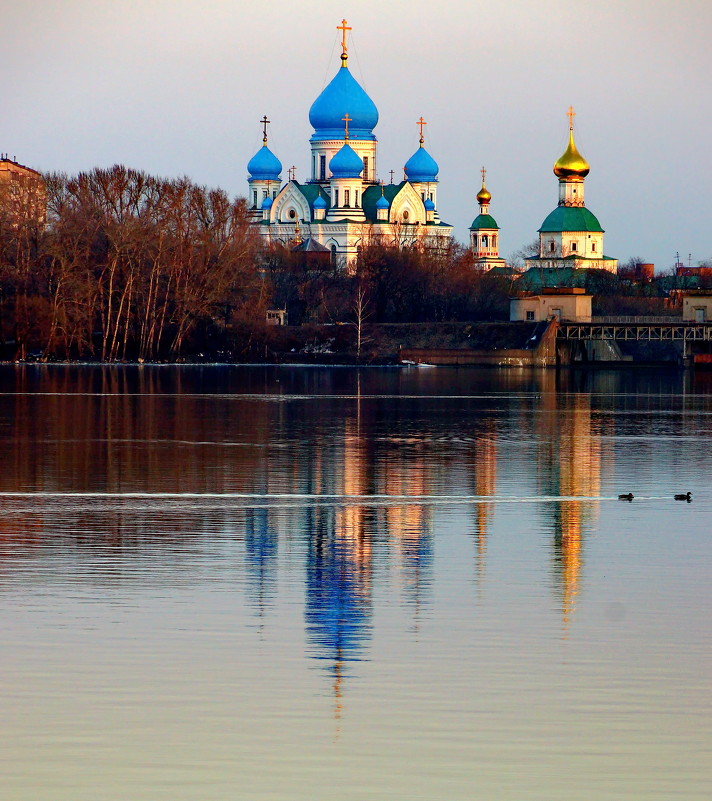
[{"x": 307, "y": 583}]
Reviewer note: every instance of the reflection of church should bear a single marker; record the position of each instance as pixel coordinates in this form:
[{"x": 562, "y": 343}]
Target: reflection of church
[
  {"x": 342, "y": 205},
  {"x": 573, "y": 463}
]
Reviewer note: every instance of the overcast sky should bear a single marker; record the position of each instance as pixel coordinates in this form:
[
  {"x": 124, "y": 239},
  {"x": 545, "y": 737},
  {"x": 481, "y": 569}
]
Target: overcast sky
[{"x": 176, "y": 87}]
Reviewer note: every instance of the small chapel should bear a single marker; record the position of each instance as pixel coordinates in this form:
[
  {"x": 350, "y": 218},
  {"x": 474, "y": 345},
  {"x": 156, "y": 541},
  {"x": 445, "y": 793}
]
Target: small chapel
[
  {"x": 484, "y": 233},
  {"x": 344, "y": 205},
  {"x": 571, "y": 236}
]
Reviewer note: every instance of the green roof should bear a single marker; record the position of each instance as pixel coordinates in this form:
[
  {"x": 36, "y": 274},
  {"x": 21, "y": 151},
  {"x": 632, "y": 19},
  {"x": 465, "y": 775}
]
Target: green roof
[
  {"x": 370, "y": 196},
  {"x": 537, "y": 278},
  {"x": 311, "y": 192},
  {"x": 483, "y": 221},
  {"x": 570, "y": 218}
]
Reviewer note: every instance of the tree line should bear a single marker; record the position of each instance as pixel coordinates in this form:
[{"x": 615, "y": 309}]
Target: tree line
[{"x": 127, "y": 266}]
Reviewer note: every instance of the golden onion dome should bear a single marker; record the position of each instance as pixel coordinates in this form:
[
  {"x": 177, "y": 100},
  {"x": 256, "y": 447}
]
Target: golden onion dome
[
  {"x": 483, "y": 196},
  {"x": 572, "y": 164}
]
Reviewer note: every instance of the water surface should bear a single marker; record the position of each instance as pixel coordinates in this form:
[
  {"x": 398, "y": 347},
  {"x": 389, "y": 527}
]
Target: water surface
[{"x": 312, "y": 583}]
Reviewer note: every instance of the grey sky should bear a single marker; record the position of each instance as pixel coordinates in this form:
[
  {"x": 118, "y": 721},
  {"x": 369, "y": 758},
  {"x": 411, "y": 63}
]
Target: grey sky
[{"x": 177, "y": 87}]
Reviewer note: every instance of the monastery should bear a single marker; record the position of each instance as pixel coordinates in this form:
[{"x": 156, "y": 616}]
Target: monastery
[{"x": 343, "y": 205}]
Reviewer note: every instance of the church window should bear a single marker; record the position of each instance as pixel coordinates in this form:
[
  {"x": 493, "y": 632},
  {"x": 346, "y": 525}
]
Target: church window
[
  {"x": 292, "y": 214},
  {"x": 430, "y": 195},
  {"x": 347, "y": 198},
  {"x": 573, "y": 247},
  {"x": 422, "y": 196},
  {"x": 365, "y": 169},
  {"x": 552, "y": 246},
  {"x": 530, "y": 315},
  {"x": 356, "y": 198},
  {"x": 485, "y": 241},
  {"x": 494, "y": 240},
  {"x": 274, "y": 194},
  {"x": 264, "y": 194},
  {"x": 333, "y": 255},
  {"x": 336, "y": 198},
  {"x": 593, "y": 247},
  {"x": 322, "y": 168},
  {"x": 406, "y": 215},
  {"x": 254, "y": 199}
]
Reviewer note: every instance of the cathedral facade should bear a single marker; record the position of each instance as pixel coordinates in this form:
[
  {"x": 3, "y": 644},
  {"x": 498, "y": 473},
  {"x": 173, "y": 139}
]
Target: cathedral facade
[{"x": 343, "y": 206}]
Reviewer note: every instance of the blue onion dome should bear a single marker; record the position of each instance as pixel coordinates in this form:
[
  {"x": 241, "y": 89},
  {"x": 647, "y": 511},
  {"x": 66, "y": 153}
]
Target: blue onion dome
[
  {"x": 264, "y": 165},
  {"x": 382, "y": 203},
  {"x": 429, "y": 205},
  {"x": 319, "y": 203},
  {"x": 421, "y": 167},
  {"x": 346, "y": 163},
  {"x": 267, "y": 203},
  {"x": 343, "y": 95}
]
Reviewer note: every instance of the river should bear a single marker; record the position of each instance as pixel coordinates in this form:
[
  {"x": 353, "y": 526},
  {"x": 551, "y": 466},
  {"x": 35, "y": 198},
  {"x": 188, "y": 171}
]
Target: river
[{"x": 315, "y": 583}]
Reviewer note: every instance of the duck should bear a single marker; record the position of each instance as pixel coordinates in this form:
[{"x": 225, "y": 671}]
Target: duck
[
  {"x": 686, "y": 497},
  {"x": 627, "y": 497}
]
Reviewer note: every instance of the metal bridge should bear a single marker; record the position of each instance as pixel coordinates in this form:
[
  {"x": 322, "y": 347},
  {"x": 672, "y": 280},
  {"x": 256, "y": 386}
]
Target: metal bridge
[{"x": 649, "y": 329}]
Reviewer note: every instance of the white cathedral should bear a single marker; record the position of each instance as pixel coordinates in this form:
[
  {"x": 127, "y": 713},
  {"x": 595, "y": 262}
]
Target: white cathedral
[{"x": 344, "y": 206}]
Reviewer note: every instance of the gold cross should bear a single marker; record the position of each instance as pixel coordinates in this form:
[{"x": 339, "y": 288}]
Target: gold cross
[
  {"x": 346, "y": 120},
  {"x": 343, "y": 28},
  {"x": 265, "y": 122},
  {"x": 571, "y": 114},
  {"x": 484, "y": 172},
  {"x": 421, "y": 122}
]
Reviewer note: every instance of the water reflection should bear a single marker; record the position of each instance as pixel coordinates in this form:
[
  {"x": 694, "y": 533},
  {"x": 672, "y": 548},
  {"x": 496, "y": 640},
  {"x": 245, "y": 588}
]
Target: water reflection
[
  {"x": 261, "y": 546},
  {"x": 570, "y": 464},
  {"x": 332, "y": 438}
]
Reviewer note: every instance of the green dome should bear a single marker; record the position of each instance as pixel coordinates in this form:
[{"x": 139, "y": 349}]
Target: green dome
[
  {"x": 570, "y": 218},
  {"x": 483, "y": 221}
]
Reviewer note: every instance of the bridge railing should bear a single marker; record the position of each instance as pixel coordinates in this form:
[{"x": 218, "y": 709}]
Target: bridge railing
[{"x": 637, "y": 320}]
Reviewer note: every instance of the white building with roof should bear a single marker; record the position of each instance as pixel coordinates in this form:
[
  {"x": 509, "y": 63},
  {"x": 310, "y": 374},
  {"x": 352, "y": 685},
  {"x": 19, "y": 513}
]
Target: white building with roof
[
  {"x": 571, "y": 236},
  {"x": 343, "y": 205}
]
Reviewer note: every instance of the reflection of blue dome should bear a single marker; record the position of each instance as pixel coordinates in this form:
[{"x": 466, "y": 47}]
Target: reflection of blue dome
[
  {"x": 382, "y": 203},
  {"x": 343, "y": 95},
  {"x": 264, "y": 165},
  {"x": 267, "y": 203},
  {"x": 421, "y": 167},
  {"x": 319, "y": 203},
  {"x": 346, "y": 163},
  {"x": 429, "y": 205},
  {"x": 337, "y": 615}
]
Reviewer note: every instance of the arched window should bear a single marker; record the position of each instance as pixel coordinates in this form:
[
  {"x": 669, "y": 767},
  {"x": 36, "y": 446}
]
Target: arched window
[
  {"x": 494, "y": 240},
  {"x": 406, "y": 215},
  {"x": 552, "y": 246},
  {"x": 333, "y": 255},
  {"x": 485, "y": 240},
  {"x": 291, "y": 214}
]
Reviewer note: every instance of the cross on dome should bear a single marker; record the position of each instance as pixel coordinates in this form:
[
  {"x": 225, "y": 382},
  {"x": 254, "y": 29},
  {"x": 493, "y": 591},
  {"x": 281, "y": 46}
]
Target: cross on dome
[
  {"x": 421, "y": 122},
  {"x": 571, "y": 114},
  {"x": 346, "y": 119},
  {"x": 344, "y": 48},
  {"x": 265, "y": 122},
  {"x": 484, "y": 172}
]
